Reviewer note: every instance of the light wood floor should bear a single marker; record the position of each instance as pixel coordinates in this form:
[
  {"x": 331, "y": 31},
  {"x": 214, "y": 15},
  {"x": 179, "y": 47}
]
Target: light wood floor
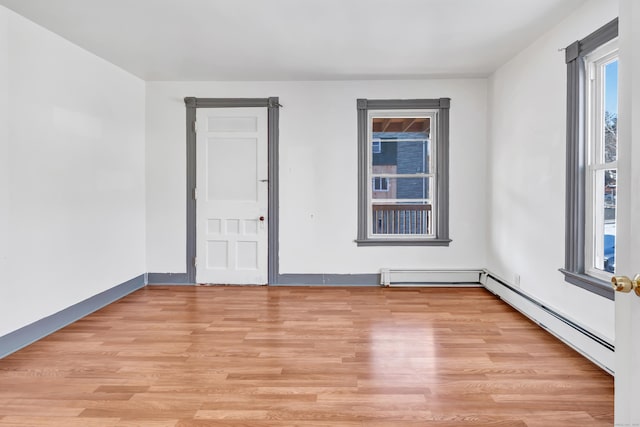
[{"x": 252, "y": 356}]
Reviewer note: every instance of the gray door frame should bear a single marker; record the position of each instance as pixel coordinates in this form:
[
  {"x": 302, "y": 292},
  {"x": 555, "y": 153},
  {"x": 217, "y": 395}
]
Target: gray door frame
[{"x": 273, "y": 106}]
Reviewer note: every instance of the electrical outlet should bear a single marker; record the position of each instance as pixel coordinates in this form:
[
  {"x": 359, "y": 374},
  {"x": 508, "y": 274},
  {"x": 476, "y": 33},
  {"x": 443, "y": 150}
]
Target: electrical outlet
[{"x": 516, "y": 279}]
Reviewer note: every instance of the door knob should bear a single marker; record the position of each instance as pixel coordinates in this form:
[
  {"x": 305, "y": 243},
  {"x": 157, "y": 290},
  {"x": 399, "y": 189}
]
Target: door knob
[
  {"x": 261, "y": 218},
  {"x": 624, "y": 284}
]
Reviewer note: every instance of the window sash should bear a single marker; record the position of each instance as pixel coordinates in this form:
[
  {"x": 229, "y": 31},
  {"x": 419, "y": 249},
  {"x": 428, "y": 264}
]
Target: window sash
[
  {"x": 432, "y": 115},
  {"x": 408, "y": 175},
  {"x": 595, "y": 224},
  {"x": 441, "y": 191},
  {"x": 376, "y": 146},
  {"x": 596, "y": 163},
  {"x": 378, "y": 183}
]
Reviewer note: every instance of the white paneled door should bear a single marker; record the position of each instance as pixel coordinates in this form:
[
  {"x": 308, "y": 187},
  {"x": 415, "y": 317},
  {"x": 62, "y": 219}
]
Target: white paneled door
[
  {"x": 627, "y": 367},
  {"x": 232, "y": 195}
]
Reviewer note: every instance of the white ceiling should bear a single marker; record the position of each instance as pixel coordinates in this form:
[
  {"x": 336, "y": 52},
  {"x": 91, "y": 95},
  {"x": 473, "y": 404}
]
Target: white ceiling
[{"x": 299, "y": 39}]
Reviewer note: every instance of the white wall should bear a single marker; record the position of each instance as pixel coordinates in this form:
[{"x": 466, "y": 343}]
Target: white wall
[
  {"x": 4, "y": 150},
  {"x": 318, "y": 173},
  {"x": 72, "y": 213},
  {"x": 526, "y": 160}
]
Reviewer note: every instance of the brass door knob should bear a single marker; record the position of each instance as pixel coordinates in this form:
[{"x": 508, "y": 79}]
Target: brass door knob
[{"x": 624, "y": 284}]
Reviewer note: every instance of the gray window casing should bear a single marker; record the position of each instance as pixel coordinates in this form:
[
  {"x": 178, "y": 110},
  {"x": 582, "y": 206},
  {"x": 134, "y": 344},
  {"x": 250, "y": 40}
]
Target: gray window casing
[
  {"x": 574, "y": 268},
  {"x": 441, "y": 222}
]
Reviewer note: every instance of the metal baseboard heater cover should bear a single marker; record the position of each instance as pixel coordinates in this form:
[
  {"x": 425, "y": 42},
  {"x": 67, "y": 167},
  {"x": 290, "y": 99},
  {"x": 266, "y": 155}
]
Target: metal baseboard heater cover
[
  {"x": 584, "y": 341},
  {"x": 403, "y": 278}
]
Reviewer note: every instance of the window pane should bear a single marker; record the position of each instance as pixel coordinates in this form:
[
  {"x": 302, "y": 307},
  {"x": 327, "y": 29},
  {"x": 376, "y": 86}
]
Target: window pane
[
  {"x": 376, "y": 147},
  {"x": 609, "y": 227},
  {"x": 405, "y": 147},
  {"x": 401, "y": 188},
  {"x": 402, "y": 218},
  {"x": 611, "y": 111},
  {"x": 380, "y": 184}
]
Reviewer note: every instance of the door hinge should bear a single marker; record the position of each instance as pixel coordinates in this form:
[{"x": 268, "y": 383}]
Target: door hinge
[
  {"x": 195, "y": 194},
  {"x": 195, "y": 126},
  {"x": 195, "y": 261}
]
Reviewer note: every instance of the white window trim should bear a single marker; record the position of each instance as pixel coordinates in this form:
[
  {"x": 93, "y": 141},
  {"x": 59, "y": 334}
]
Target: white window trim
[
  {"x": 595, "y": 162},
  {"x": 376, "y": 146},
  {"x": 380, "y": 180},
  {"x": 432, "y": 115}
]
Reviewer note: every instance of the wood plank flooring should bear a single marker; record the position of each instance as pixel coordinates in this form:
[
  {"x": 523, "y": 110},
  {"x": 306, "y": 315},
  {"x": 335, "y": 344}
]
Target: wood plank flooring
[{"x": 257, "y": 356}]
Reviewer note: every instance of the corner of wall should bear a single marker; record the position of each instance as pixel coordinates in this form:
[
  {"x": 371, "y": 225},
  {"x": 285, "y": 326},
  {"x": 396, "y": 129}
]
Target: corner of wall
[{"x": 526, "y": 163}]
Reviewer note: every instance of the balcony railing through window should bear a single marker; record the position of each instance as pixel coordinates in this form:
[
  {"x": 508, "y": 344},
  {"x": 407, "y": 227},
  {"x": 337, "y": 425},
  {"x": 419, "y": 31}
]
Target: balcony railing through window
[{"x": 402, "y": 219}]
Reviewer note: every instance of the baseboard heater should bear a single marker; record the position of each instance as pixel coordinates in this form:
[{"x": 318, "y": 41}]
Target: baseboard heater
[
  {"x": 585, "y": 342},
  {"x": 403, "y": 278}
]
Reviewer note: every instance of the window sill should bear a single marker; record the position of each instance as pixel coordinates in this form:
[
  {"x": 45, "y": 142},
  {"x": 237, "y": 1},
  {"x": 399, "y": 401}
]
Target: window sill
[
  {"x": 403, "y": 242},
  {"x": 589, "y": 283}
]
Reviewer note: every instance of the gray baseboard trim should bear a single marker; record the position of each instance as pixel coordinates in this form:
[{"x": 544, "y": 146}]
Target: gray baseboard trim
[
  {"x": 584, "y": 341},
  {"x": 39, "y": 329},
  {"x": 169, "y": 279},
  {"x": 182, "y": 279},
  {"x": 327, "y": 280}
]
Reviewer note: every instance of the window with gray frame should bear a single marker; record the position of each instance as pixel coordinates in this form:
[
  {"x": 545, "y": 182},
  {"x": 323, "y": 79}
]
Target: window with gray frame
[
  {"x": 403, "y": 172},
  {"x": 591, "y": 160}
]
